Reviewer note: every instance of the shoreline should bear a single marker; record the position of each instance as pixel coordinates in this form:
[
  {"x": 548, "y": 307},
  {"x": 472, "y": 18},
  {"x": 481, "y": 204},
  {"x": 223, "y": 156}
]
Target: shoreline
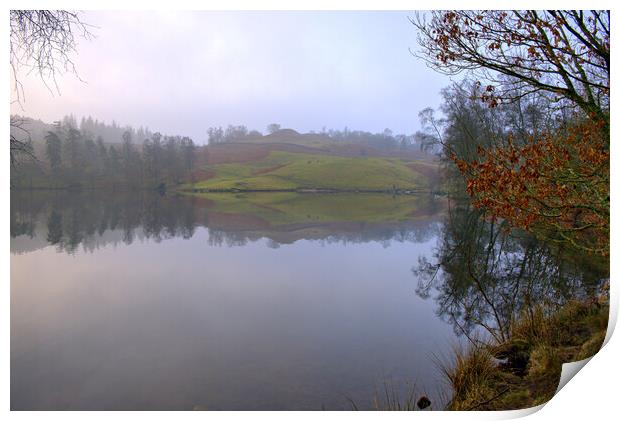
[
  {"x": 310, "y": 190},
  {"x": 524, "y": 370},
  {"x": 234, "y": 191}
]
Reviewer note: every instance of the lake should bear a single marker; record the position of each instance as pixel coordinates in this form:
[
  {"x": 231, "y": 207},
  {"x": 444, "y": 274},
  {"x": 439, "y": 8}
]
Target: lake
[{"x": 136, "y": 301}]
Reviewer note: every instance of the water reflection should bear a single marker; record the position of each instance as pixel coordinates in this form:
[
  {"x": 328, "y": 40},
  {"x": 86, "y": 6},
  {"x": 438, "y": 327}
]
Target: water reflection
[
  {"x": 68, "y": 220},
  {"x": 482, "y": 278},
  {"x": 162, "y": 302},
  {"x": 282, "y": 301}
]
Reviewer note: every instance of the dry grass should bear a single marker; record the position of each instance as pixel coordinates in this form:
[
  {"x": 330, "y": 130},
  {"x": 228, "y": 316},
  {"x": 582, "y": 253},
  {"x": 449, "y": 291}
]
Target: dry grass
[
  {"x": 471, "y": 377},
  {"x": 530, "y": 364},
  {"x": 544, "y": 360}
]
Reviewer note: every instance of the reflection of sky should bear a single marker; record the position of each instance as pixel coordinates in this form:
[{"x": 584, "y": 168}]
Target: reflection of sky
[
  {"x": 181, "y": 323},
  {"x": 180, "y": 72}
]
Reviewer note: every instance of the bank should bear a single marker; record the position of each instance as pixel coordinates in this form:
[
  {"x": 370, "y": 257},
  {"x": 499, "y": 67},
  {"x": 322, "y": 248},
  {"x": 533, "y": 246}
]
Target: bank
[{"x": 524, "y": 371}]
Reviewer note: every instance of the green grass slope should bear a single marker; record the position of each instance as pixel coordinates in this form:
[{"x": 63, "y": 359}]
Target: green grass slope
[{"x": 289, "y": 171}]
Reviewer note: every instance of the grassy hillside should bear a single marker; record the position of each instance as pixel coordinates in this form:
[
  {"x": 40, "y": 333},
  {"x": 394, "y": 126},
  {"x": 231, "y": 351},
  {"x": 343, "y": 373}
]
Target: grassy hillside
[{"x": 281, "y": 170}]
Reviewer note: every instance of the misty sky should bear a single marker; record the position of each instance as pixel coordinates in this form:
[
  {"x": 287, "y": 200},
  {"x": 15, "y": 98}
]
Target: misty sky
[{"x": 181, "y": 72}]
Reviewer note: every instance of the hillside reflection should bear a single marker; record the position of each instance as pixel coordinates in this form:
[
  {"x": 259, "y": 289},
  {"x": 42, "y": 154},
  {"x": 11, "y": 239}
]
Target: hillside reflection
[{"x": 91, "y": 220}]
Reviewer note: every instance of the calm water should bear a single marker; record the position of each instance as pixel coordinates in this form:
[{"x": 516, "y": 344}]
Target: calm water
[{"x": 248, "y": 302}]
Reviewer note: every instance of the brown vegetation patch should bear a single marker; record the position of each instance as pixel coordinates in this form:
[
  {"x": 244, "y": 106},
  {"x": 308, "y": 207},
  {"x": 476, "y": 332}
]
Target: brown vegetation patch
[
  {"x": 248, "y": 152},
  {"x": 202, "y": 174},
  {"x": 430, "y": 170},
  {"x": 267, "y": 170},
  {"x": 240, "y": 152}
]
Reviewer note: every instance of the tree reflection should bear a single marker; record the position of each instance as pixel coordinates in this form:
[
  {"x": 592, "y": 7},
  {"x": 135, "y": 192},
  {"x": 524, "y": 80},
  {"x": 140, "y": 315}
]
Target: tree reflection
[
  {"x": 483, "y": 278},
  {"x": 93, "y": 219},
  {"x": 54, "y": 228}
]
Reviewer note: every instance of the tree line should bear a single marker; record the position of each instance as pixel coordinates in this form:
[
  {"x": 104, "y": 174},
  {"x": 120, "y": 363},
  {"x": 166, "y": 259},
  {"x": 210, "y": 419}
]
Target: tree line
[
  {"x": 68, "y": 157},
  {"x": 384, "y": 140}
]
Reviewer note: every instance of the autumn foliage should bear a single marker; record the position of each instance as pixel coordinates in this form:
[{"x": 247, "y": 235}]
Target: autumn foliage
[
  {"x": 556, "y": 185},
  {"x": 555, "y": 180}
]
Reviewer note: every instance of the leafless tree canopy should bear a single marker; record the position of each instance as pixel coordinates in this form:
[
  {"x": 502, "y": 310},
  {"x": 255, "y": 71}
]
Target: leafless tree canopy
[
  {"x": 20, "y": 139},
  {"x": 563, "y": 55},
  {"x": 42, "y": 41}
]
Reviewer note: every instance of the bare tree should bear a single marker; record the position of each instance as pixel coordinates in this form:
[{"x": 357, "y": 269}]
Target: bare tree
[
  {"x": 563, "y": 55},
  {"x": 41, "y": 41},
  {"x": 20, "y": 140}
]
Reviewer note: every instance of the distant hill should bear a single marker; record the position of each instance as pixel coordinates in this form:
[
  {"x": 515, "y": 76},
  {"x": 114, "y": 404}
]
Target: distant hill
[
  {"x": 292, "y": 137},
  {"x": 327, "y": 144},
  {"x": 252, "y": 147},
  {"x": 289, "y": 160}
]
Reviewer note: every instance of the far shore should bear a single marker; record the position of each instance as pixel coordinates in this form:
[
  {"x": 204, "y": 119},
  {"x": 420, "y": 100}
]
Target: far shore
[
  {"x": 307, "y": 190},
  {"x": 235, "y": 191}
]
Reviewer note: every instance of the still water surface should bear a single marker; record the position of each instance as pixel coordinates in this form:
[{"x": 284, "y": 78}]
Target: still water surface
[{"x": 276, "y": 302}]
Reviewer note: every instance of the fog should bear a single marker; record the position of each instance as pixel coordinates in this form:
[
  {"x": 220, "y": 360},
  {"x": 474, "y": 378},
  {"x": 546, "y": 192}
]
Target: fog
[{"x": 181, "y": 72}]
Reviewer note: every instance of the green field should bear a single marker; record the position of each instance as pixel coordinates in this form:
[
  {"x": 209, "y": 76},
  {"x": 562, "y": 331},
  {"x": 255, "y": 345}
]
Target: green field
[{"x": 290, "y": 171}]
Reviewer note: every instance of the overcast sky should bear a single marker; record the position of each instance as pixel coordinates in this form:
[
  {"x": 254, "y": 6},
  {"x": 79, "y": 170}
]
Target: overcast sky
[{"x": 182, "y": 72}]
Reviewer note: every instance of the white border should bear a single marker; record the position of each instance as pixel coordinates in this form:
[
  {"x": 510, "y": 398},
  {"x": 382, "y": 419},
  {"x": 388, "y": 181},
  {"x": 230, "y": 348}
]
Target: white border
[{"x": 592, "y": 394}]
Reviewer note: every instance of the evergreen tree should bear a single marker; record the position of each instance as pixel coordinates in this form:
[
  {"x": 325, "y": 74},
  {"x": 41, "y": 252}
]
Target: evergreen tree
[{"x": 53, "y": 151}]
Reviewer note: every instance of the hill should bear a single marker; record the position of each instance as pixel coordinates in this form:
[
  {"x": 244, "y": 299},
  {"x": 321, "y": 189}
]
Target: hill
[
  {"x": 290, "y": 161},
  {"x": 290, "y": 136},
  {"x": 273, "y": 169},
  {"x": 364, "y": 144}
]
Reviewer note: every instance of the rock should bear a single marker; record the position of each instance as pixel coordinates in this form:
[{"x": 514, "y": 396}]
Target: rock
[{"x": 423, "y": 402}]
